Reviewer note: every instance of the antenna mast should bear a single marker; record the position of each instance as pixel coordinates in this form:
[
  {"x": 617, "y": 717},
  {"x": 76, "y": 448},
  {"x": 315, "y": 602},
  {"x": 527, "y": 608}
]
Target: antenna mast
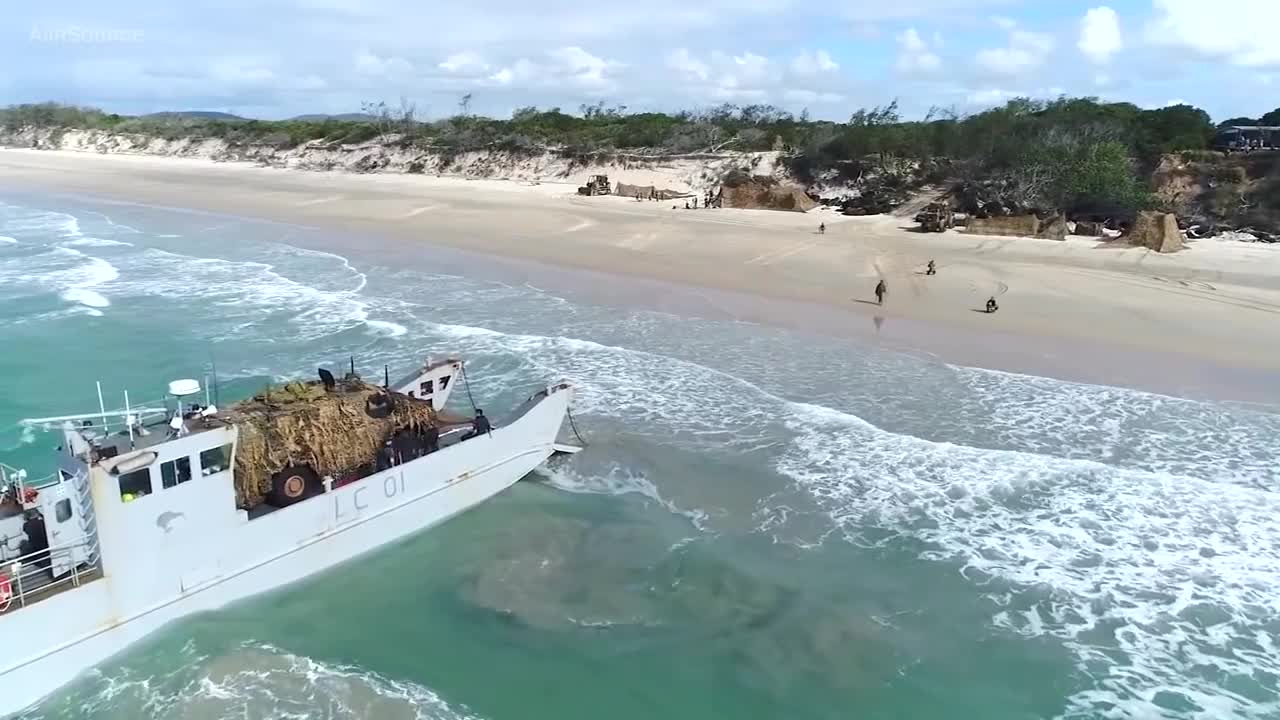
[{"x": 214, "y": 366}]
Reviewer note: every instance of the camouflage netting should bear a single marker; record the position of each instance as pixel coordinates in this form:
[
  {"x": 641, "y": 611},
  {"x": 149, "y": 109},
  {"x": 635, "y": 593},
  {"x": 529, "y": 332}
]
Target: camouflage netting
[
  {"x": 1156, "y": 231},
  {"x": 333, "y": 432},
  {"x": 649, "y": 191},
  {"x": 740, "y": 190}
]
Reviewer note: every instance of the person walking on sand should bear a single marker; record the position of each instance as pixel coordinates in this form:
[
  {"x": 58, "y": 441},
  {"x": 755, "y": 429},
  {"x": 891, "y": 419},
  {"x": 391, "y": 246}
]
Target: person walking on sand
[
  {"x": 931, "y": 269},
  {"x": 881, "y": 290},
  {"x": 991, "y": 305},
  {"x": 822, "y": 228}
]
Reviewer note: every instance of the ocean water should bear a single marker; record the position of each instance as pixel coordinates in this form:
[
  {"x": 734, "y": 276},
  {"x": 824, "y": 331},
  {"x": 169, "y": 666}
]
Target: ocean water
[{"x": 765, "y": 525}]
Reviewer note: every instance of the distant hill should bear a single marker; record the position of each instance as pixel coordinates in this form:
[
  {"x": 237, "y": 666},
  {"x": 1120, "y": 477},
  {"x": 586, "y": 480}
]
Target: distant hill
[
  {"x": 346, "y": 117},
  {"x": 199, "y": 114}
]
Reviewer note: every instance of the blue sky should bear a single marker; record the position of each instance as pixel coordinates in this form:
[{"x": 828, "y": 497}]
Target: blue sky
[{"x": 278, "y": 58}]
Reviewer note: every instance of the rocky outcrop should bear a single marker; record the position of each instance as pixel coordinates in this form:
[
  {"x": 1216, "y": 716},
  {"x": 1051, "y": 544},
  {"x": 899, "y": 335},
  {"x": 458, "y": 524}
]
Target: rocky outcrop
[{"x": 1156, "y": 231}]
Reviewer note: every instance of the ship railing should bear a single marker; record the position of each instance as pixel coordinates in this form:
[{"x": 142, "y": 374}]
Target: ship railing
[
  {"x": 27, "y": 579},
  {"x": 17, "y": 489}
]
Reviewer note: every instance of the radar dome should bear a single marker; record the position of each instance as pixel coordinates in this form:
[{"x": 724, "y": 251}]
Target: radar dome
[{"x": 182, "y": 388}]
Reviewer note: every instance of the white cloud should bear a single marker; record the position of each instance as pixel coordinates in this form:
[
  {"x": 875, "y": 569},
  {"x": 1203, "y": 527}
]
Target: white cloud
[
  {"x": 659, "y": 55},
  {"x": 582, "y": 67},
  {"x": 741, "y": 78},
  {"x": 750, "y": 67},
  {"x": 466, "y": 62},
  {"x": 1026, "y": 51},
  {"x": 373, "y": 65},
  {"x": 991, "y": 96},
  {"x": 570, "y": 67},
  {"x": 815, "y": 63},
  {"x": 810, "y": 97},
  {"x": 914, "y": 54},
  {"x": 1100, "y": 35},
  {"x": 503, "y": 76},
  {"x": 1241, "y": 32},
  {"x": 684, "y": 63},
  {"x": 748, "y": 77}
]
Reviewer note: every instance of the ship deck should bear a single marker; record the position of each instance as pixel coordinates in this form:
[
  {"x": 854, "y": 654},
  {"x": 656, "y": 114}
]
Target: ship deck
[{"x": 37, "y": 586}]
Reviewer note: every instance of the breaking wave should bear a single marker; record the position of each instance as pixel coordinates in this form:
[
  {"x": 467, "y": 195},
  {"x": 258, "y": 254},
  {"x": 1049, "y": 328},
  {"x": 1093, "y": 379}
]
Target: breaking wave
[{"x": 1161, "y": 583}]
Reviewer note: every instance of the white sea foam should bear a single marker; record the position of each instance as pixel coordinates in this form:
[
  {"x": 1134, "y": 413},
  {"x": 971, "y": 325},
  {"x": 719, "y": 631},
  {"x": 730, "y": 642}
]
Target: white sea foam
[
  {"x": 93, "y": 271},
  {"x": 258, "y": 680},
  {"x": 85, "y": 297},
  {"x": 96, "y": 242},
  {"x": 1140, "y": 573},
  {"x": 241, "y": 294},
  {"x": 6, "y": 240},
  {"x": 77, "y": 282},
  {"x": 616, "y": 480},
  {"x": 1125, "y": 428},
  {"x": 26, "y": 436},
  {"x": 387, "y": 328}
]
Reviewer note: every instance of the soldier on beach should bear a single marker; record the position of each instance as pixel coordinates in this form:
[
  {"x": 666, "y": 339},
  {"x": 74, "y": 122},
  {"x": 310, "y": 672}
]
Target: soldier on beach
[{"x": 881, "y": 290}]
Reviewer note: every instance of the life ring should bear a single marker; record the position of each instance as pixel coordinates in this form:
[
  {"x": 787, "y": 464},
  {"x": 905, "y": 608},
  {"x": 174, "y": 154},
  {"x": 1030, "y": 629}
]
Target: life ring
[{"x": 6, "y": 592}]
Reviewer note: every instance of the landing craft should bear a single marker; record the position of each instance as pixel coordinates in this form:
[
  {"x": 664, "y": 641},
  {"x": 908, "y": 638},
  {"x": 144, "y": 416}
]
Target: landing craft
[{"x": 159, "y": 511}]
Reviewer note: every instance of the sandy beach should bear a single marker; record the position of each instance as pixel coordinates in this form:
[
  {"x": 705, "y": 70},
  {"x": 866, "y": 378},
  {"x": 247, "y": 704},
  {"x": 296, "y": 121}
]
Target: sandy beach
[{"x": 1079, "y": 309}]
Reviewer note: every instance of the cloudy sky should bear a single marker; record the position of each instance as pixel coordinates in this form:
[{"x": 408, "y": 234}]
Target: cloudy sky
[{"x": 278, "y": 58}]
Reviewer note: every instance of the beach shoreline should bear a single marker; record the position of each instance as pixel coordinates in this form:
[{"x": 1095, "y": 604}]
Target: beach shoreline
[{"x": 1194, "y": 324}]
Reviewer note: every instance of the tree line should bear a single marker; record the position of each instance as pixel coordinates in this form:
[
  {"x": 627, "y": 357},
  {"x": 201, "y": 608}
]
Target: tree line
[{"x": 1064, "y": 153}]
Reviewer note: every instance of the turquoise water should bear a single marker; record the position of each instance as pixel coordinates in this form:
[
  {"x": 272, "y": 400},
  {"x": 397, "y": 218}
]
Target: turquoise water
[{"x": 766, "y": 524}]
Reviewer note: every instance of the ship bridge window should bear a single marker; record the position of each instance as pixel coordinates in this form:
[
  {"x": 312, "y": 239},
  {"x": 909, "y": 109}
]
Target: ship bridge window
[
  {"x": 175, "y": 472},
  {"x": 135, "y": 484},
  {"x": 62, "y": 510},
  {"x": 215, "y": 460}
]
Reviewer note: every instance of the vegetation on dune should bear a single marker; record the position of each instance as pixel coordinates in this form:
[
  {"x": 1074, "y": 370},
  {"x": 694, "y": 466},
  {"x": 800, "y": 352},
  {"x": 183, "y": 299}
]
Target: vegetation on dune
[{"x": 1074, "y": 154}]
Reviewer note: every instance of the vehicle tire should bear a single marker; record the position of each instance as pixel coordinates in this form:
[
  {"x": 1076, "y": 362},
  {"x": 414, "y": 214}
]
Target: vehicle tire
[
  {"x": 293, "y": 484},
  {"x": 378, "y": 406}
]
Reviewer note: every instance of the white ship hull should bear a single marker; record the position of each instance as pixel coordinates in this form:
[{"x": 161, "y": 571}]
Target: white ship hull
[{"x": 198, "y": 566}]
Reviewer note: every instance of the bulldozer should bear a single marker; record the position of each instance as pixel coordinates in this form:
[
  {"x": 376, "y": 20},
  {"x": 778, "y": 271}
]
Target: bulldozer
[
  {"x": 596, "y": 185},
  {"x": 936, "y": 217}
]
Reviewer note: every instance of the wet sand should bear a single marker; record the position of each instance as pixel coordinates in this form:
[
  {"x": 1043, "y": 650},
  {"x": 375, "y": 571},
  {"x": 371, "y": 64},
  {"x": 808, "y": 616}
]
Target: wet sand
[{"x": 1201, "y": 322}]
